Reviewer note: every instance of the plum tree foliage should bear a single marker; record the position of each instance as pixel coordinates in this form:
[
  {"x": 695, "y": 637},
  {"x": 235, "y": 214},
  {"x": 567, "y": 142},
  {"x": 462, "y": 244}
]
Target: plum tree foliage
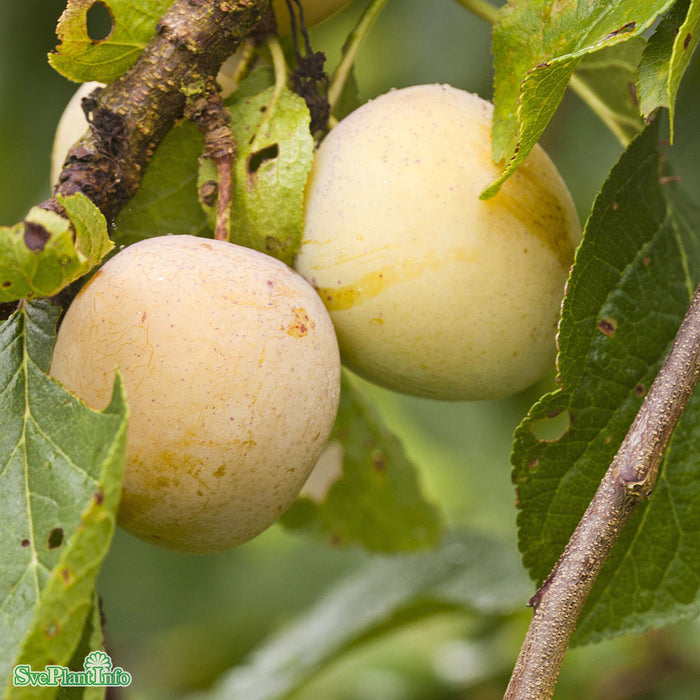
[{"x": 186, "y": 384}]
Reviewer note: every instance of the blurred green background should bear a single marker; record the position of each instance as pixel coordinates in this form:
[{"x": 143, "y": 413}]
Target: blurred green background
[{"x": 175, "y": 622}]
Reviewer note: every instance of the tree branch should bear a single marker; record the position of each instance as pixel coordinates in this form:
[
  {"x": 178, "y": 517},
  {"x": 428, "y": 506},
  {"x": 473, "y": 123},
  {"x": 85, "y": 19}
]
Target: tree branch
[
  {"x": 629, "y": 480},
  {"x": 131, "y": 116}
]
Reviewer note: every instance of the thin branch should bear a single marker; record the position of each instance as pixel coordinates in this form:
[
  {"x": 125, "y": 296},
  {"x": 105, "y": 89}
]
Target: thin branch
[
  {"x": 629, "y": 480},
  {"x": 206, "y": 109},
  {"x": 481, "y": 8},
  {"x": 131, "y": 116},
  {"x": 352, "y": 46}
]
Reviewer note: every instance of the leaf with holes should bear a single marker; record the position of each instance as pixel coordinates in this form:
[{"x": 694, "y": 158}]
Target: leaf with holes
[
  {"x": 82, "y": 58},
  {"x": 60, "y": 478},
  {"x": 666, "y": 58},
  {"x": 469, "y": 571},
  {"x": 364, "y": 489},
  {"x": 44, "y": 253},
  {"x": 167, "y": 200},
  {"x": 537, "y": 46},
  {"x": 274, "y": 155},
  {"x": 632, "y": 281},
  {"x": 606, "y": 81}
]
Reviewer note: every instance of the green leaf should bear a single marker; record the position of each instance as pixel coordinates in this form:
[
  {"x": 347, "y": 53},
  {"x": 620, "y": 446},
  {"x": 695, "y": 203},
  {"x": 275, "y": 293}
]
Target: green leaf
[
  {"x": 167, "y": 200},
  {"x": 275, "y": 151},
  {"x": 60, "y": 478},
  {"x": 91, "y": 640},
  {"x": 537, "y": 46},
  {"x": 468, "y": 571},
  {"x": 364, "y": 490},
  {"x": 666, "y": 58},
  {"x": 631, "y": 284},
  {"x": 39, "y": 256},
  {"x": 80, "y": 58},
  {"x": 605, "y": 80}
]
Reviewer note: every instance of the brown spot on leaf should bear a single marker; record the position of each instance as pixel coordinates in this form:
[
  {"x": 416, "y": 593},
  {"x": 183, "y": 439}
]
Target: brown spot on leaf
[
  {"x": 35, "y": 236},
  {"x": 686, "y": 41},
  {"x": 209, "y": 192},
  {"x": 51, "y": 630},
  {"x": 67, "y": 576},
  {"x": 55, "y": 538},
  {"x": 25, "y": 542},
  {"x": 99, "y": 497},
  {"x": 640, "y": 390},
  {"x": 607, "y": 326},
  {"x": 624, "y": 29}
]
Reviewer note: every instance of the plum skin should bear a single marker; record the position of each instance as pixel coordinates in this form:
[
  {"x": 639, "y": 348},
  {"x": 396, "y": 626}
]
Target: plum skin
[
  {"x": 434, "y": 292},
  {"x": 232, "y": 377}
]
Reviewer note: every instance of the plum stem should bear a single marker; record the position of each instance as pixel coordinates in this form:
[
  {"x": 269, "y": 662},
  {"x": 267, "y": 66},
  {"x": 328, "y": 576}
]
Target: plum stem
[
  {"x": 206, "y": 109},
  {"x": 350, "y": 49}
]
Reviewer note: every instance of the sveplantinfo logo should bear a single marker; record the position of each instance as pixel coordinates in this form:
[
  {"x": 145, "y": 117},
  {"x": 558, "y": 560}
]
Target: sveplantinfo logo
[{"x": 98, "y": 671}]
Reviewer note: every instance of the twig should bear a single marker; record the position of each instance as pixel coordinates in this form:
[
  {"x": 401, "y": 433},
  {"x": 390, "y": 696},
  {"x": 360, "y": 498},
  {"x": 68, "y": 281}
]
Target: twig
[
  {"x": 352, "y": 46},
  {"x": 206, "y": 109},
  {"x": 629, "y": 480}
]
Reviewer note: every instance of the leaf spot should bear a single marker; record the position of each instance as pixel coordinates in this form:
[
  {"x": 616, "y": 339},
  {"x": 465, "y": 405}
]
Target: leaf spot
[
  {"x": 35, "y": 236},
  {"x": 25, "y": 542},
  {"x": 640, "y": 390},
  {"x": 686, "y": 41},
  {"x": 51, "y": 630},
  {"x": 55, "y": 538},
  {"x": 624, "y": 29},
  {"x": 209, "y": 192},
  {"x": 607, "y": 326}
]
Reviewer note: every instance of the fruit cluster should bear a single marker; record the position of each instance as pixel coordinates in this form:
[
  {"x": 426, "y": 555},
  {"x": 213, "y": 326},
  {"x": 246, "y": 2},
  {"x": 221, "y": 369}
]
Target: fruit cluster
[{"x": 231, "y": 360}]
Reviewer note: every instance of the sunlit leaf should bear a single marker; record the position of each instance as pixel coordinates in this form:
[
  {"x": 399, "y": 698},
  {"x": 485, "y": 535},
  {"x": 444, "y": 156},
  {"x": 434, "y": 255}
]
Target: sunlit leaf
[
  {"x": 537, "y": 46},
  {"x": 82, "y": 58},
  {"x": 43, "y": 254},
  {"x": 274, "y": 154}
]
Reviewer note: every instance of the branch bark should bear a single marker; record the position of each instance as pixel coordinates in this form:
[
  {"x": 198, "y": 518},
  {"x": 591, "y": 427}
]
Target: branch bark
[
  {"x": 131, "y": 116},
  {"x": 629, "y": 480}
]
